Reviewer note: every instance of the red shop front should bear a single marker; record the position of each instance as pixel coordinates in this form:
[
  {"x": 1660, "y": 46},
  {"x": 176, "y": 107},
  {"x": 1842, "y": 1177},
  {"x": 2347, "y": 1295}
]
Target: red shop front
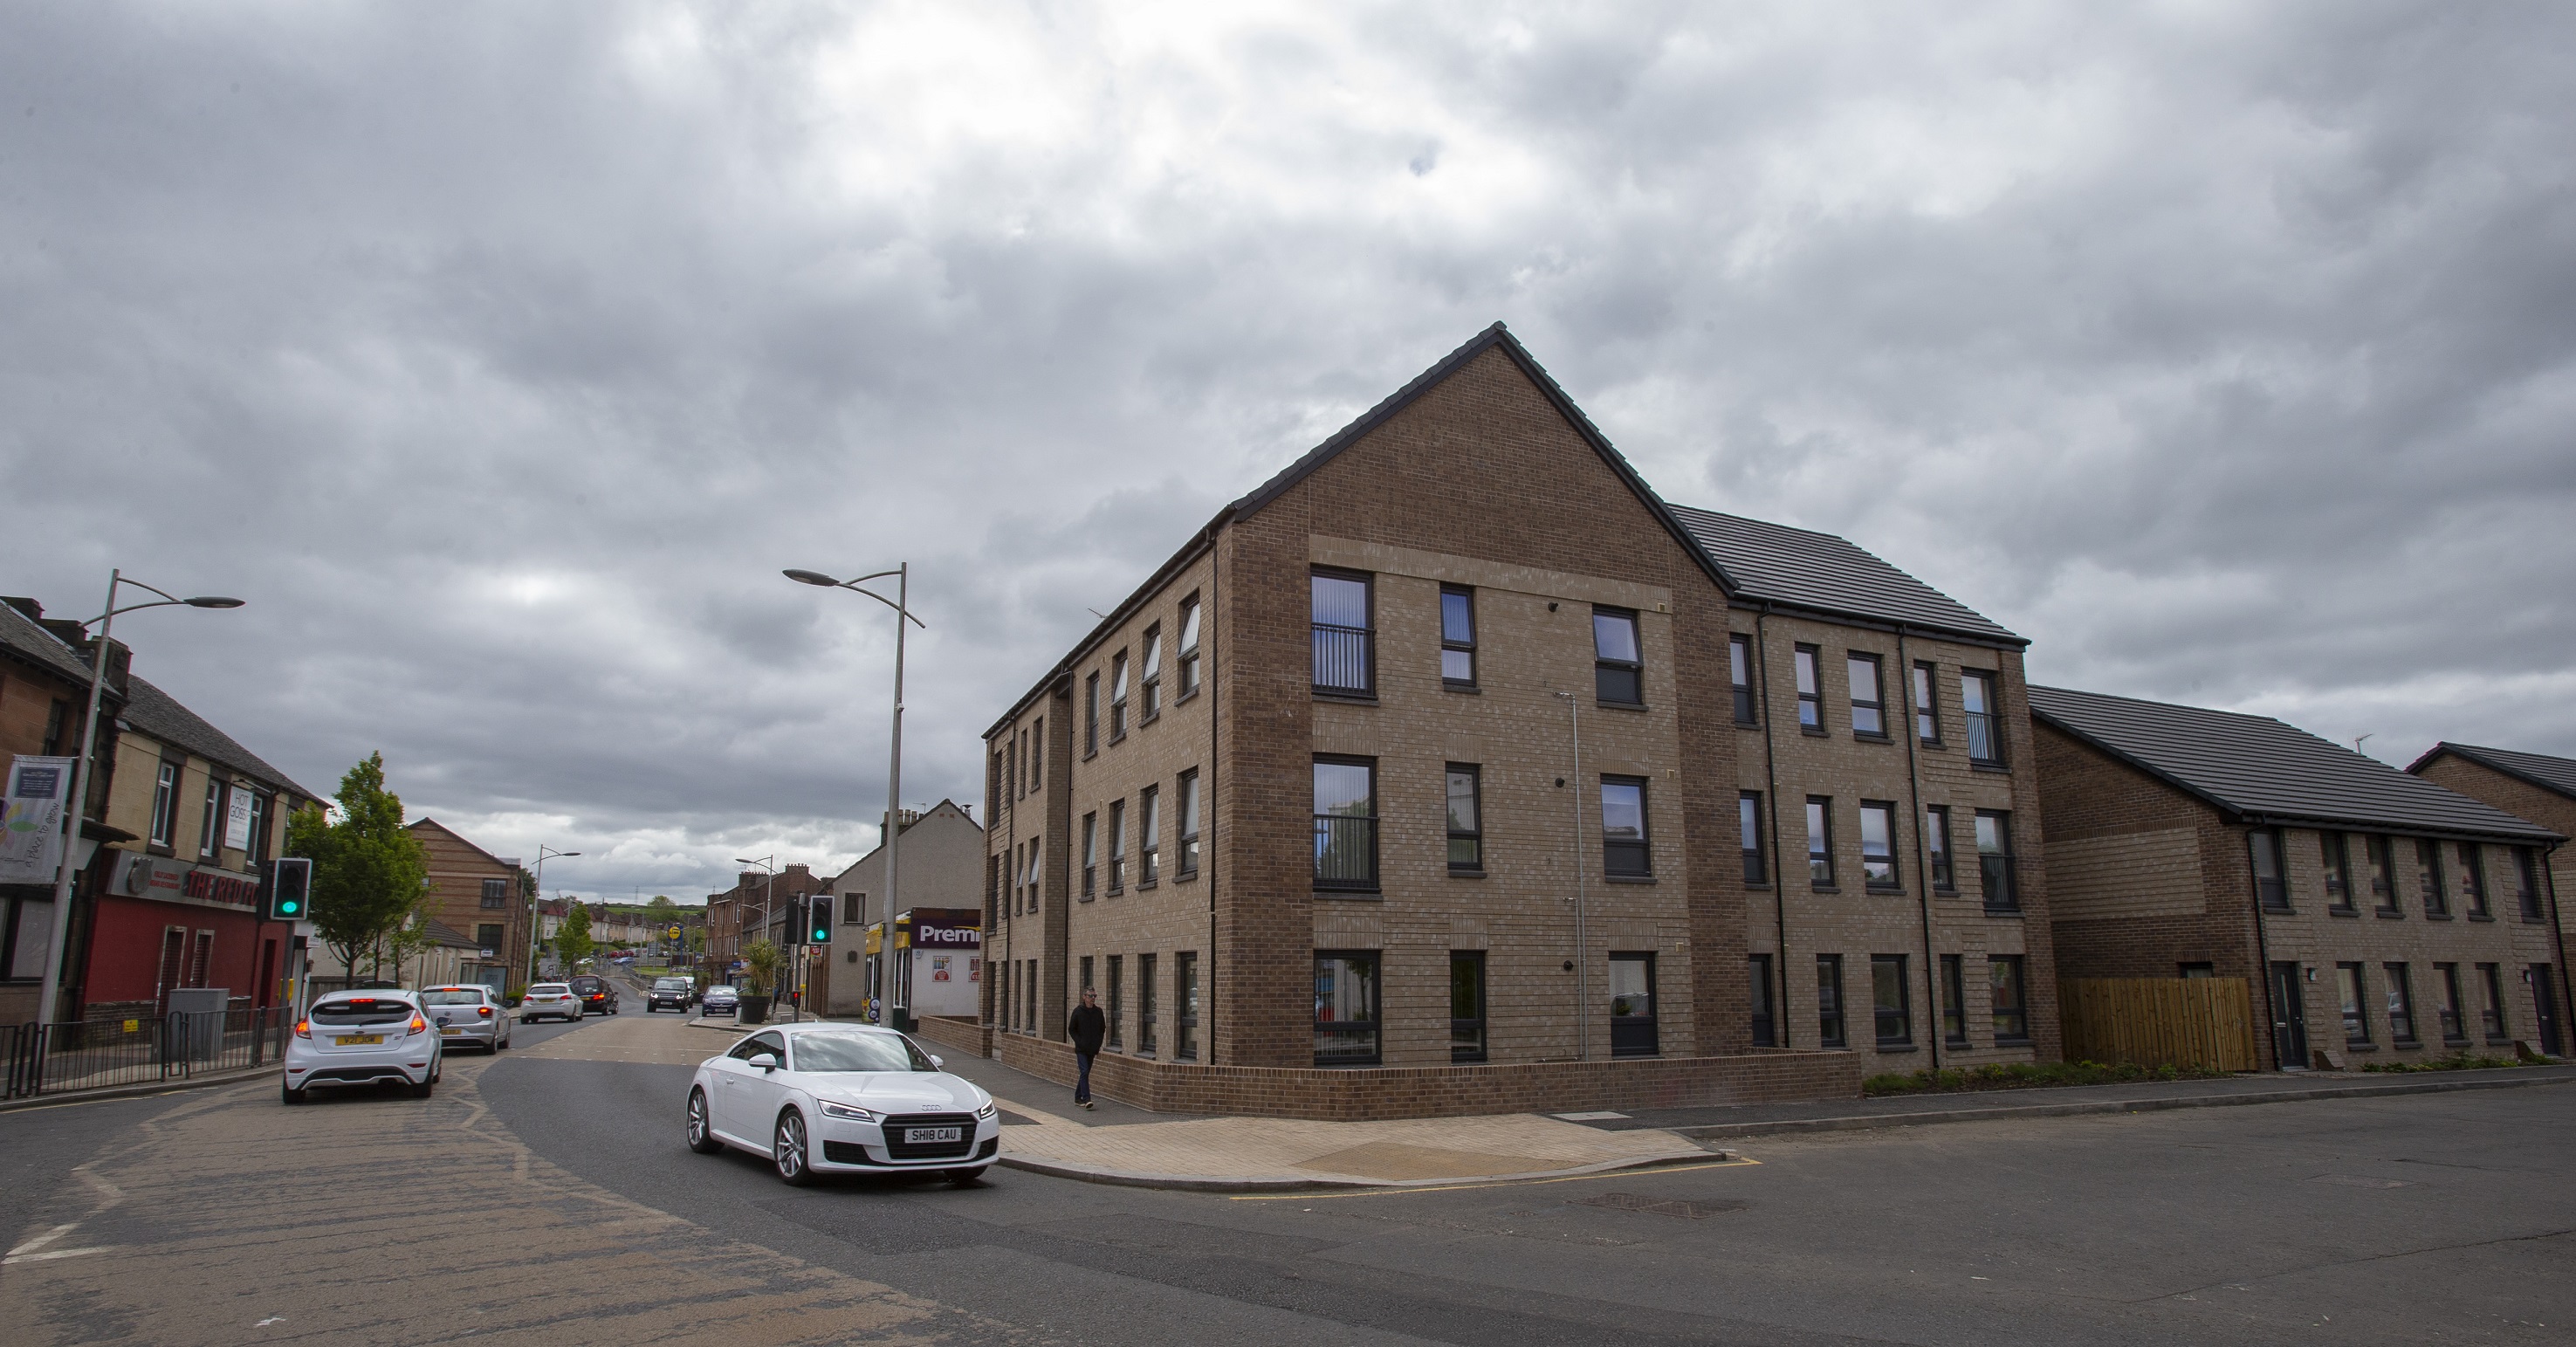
[{"x": 161, "y": 924}]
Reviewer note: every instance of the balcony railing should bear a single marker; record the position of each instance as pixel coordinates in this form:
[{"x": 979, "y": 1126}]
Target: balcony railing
[
  {"x": 1345, "y": 852},
  {"x": 1996, "y": 874},
  {"x": 1343, "y": 665}
]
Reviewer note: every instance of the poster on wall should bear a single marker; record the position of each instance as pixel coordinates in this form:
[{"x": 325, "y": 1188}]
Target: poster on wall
[
  {"x": 237, "y": 820},
  {"x": 31, "y": 835}
]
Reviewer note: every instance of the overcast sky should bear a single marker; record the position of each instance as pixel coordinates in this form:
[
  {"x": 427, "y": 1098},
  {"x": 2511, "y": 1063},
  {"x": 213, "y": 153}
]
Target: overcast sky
[{"x": 500, "y": 355}]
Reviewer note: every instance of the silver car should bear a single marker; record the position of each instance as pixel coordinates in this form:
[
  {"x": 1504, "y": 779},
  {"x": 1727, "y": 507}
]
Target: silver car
[
  {"x": 468, "y": 1015},
  {"x": 549, "y": 1001}
]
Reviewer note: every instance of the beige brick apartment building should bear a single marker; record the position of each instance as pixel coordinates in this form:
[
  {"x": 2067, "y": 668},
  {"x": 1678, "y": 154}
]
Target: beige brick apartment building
[
  {"x": 2375, "y": 915},
  {"x": 482, "y": 897},
  {"x": 2542, "y": 789},
  {"x": 1414, "y": 782}
]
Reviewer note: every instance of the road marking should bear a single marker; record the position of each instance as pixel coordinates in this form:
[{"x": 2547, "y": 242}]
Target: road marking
[
  {"x": 34, "y": 1251},
  {"x": 1497, "y": 1183},
  {"x": 44, "y": 1239},
  {"x": 1036, "y": 1115}
]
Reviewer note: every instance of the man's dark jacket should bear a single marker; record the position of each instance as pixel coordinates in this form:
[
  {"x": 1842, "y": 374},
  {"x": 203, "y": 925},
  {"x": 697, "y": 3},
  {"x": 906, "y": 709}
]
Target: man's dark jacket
[{"x": 1086, "y": 1028}]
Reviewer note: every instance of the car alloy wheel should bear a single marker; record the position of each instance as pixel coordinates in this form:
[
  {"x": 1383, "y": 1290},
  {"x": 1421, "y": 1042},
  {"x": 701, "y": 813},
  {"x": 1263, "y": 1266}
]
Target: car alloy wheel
[
  {"x": 790, "y": 1150},
  {"x": 702, "y": 1138}
]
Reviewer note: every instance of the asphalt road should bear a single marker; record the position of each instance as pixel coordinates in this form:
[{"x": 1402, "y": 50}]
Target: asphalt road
[{"x": 2430, "y": 1218}]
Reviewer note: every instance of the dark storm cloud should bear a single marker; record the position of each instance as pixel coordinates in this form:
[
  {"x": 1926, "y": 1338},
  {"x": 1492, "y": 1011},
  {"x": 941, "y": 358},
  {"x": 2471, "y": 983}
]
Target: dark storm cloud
[{"x": 502, "y": 356}]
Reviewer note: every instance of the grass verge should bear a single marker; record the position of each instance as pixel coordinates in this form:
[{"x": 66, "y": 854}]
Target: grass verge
[
  {"x": 2025, "y": 1076},
  {"x": 2463, "y": 1060}
]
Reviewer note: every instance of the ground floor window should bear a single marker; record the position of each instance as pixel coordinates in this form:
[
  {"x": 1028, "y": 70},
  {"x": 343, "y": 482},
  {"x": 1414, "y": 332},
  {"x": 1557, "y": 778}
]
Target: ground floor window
[
  {"x": 1467, "y": 1005},
  {"x": 1145, "y": 1014},
  {"x": 2348, "y": 989},
  {"x": 1346, "y": 1008},
  {"x": 2006, "y": 998},
  {"x": 1829, "y": 1001},
  {"x": 1185, "y": 986},
  {"x": 1766, "y": 1032},
  {"x": 1954, "y": 1000},
  {"x": 2401, "y": 1003},
  {"x": 1116, "y": 1004},
  {"x": 1890, "y": 1002},
  {"x": 1632, "y": 1005}
]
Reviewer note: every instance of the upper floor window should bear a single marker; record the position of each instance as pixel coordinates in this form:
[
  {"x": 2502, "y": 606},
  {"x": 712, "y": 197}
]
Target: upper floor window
[
  {"x": 1091, "y": 714},
  {"x": 1985, "y": 721},
  {"x": 1037, "y": 754},
  {"x": 1624, "y": 849},
  {"x": 496, "y": 893},
  {"x": 1457, "y": 636},
  {"x": 1618, "y": 662},
  {"x": 1739, "y": 666},
  {"x": 1748, "y": 826},
  {"x": 1189, "y": 647},
  {"x": 1346, "y": 823},
  {"x": 1189, "y": 787},
  {"x": 1878, "y": 844},
  {"x": 210, "y": 834},
  {"x": 165, "y": 806},
  {"x": 1936, "y": 847},
  {"x": 1117, "y": 845},
  {"x": 1118, "y": 697},
  {"x": 1466, "y": 820},
  {"x": 1820, "y": 841},
  {"x": 1995, "y": 860},
  {"x": 1149, "y": 835},
  {"x": 2338, "y": 871},
  {"x": 2473, "y": 879},
  {"x": 1345, "y": 660},
  {"x": 1927, "y": 705},
  {"x": 2271, "y": 884},
  {"x": 1868, "y": 697},
  {"x": 1090, "y": 853},
  {"x": 259, "y": 825},
  {"x": 1811, "y": 691},
  {"x": 2379, "y": 854},
  {"x": 1153, "y": 671},
  {"x": 2428, "y": 876}
]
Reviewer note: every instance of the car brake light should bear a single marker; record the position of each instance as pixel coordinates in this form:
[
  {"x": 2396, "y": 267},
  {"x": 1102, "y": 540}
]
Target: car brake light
[
  {"x": 485, "y": 1012},
  {"x": 418, "y": 1024},
  {"x": 304, "y": 1028}
]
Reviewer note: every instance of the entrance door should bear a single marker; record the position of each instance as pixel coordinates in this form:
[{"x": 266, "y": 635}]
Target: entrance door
[
  {"x": 174, "y": 954},
  {"x": 1632, "y": 1005},
  {"x": 2544, "y": 995},
  {"x": 2289, "y": 1017}
]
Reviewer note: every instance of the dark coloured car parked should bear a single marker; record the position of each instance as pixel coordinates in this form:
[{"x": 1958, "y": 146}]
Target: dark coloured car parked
[{"x": 598, "y": 994}]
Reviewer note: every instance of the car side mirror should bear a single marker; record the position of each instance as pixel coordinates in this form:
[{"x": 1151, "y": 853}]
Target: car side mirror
[
  {"x": 939, "y": 1061},
  {"x": 766, "y": 1061}
]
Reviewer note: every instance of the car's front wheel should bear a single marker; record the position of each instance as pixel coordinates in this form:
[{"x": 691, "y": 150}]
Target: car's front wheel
[
  {"x": 702, "y": 1137},
  {"x": 789, "y": 1151}
]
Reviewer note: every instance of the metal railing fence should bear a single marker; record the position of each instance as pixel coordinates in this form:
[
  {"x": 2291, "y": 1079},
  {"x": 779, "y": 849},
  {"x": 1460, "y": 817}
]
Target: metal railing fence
[{"x": 141, "y": 1049}]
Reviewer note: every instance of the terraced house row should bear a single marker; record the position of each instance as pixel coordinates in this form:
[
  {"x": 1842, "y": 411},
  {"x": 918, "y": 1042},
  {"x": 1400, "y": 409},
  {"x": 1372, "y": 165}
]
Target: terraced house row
[{"x": 1453, "y": 769}]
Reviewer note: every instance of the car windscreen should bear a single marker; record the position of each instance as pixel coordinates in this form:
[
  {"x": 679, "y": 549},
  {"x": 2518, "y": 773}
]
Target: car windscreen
[
  {"x": 363, "y": 1010},
  {"x": 548, "y": 989},
  {"x": 672, "y": 984},
  {"x": 858, "y": 1052},
  {"x": 451, "y": 998}
]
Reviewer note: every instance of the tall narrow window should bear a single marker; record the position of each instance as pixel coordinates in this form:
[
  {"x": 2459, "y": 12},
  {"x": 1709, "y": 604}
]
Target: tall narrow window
[
  {"x": 165, "y": 806},
  {"x": 1820, "y": 841},
  {"x": 1345, "y": 663},
  {"x": 1037, "y": 853},
  {"x": 1618, "y": 661},
  {"x": 1632, "y": 1005},
  {"x": 2006, "y": 999},
  {"x": 1624, "y": 848},
  {"x": 1117, "y": 1007},
  {"x": 2377, "y": 852},
  {"x": 1868, "y": 696},
  {"x": 210, "y": 833},
  {"x": 2491, "y": 1013},
  {"x": 1346, "y": 824},
  {"x": 1811, "y": 691},
  {"x": 1739, "y": 662},
  {"x": 1091, "y": 715},
  {"x": 1185, "y": 993},
  {"x": 1118, "y": 697},
  {"x": 1037, "y": 755},
  {"x": 2428, "y": 877},
  {"x": 2526, "y": 882},
  {"x": 2348, "y": 990},
  {"x": 1148, "y": 1011},
  {"x": 2401, "y": 1003},
  {"x": 1878, "y": 845},
  {"x": 1936, "y": 845},
  {"x": 1748, "y": 825},
  {"x": 1890, "y": 1000},
  {"x": 1466, "y": 1005},
  {"x": 2271, "y": 885},
  {"x": 1757, "y": 975},
  {"x": 1189, "y": 650},
  {"x": 1995, "y": 861},
  {"x": 2473, "y": 881},
  {"x": 1985, "y": 721},
  {"x": 1829, "y": 1001},
  {"x": 1927, "y": 705},
  {"x": 1117, "y": 846},
  {"x": 1090, "y": 854},
  {"x": 1466, "y": 815},
  {"x": 1346, "y": 1008},
  {"x": 1457, "y": 636},
  {"x": 2337, "y": 862},
  {"x": 1189, "y": 786},
  {"x": 2446, "y": 1007},
  {"x": 259, "y": 811},
  {"x": 1149, "y": 835},
  {"x": 1153, "y": 677},
  {"x": 1954, "y": 1000}
]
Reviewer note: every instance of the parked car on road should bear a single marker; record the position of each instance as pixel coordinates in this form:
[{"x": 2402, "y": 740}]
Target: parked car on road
[
  {"x": 721, "y": 999},
  {"x": 598, "y": 994},
  {"x": 363, "y": 1038},
  {"x": 673, "y": 992},
  {"x": 842, "y": 1099},
  {"x": 549, "y": 1001},
  {"x": 468, "y": 1014}
]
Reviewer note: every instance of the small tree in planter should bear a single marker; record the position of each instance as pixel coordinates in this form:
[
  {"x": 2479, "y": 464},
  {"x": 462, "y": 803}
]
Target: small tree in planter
[{"x": 760, "y": 964}]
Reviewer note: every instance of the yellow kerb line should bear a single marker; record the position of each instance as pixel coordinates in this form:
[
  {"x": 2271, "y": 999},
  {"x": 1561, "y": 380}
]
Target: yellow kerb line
[{"x": 1498, "y": 1183}]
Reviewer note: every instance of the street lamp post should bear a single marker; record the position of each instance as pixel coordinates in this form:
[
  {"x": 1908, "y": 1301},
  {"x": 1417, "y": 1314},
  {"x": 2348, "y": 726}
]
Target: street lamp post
[
  {"x": 536, "y": 918},
  {"x": 894, "y": 768},
  {"x": 106, "y": 622}
]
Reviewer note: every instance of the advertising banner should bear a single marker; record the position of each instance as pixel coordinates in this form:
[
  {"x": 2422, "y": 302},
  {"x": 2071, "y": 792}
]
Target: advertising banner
[
  {"x": 929, "y": 934},
  {"x": 237, "y": 821},
  {"x": 31, "y": 835}
]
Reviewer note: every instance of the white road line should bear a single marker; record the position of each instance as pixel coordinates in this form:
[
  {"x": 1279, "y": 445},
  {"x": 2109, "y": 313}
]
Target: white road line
[
  {"x": 52, "y": 1253},
  {"x": 44, "y": 1239}
]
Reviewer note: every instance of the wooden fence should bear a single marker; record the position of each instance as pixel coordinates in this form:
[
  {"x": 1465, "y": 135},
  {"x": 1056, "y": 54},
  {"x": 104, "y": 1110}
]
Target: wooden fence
[{"x": 2202, "y": 1022}]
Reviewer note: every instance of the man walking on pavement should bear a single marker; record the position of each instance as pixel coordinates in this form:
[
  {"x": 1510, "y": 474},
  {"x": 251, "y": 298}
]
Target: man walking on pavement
[{"x": 1086, "y": 1027}]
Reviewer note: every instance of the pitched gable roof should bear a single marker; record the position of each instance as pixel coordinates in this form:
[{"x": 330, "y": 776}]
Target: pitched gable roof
[
  {"x": 2555, "y": 775},
  {"x": 158, "y": 714},
  {"x": 425, "y": 821},
  {"x": 23, "y": 637},
  {"x": 1801, "y": 568},
  {"x": 2263, "y": 770}
]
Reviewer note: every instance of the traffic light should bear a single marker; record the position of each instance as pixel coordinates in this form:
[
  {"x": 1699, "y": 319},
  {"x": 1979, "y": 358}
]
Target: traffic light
[
  {"x": 287, "y": 894},
  {"x": 820, "y": 928}
]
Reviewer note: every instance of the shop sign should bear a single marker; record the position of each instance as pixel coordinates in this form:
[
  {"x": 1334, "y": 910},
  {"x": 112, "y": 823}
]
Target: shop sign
[
  {"x": 237, "y": 820},
  {"x": 31, "y": 837},
  {"x": 927, "y": 934}
]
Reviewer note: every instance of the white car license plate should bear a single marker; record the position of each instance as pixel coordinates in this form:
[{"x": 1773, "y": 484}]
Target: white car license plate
[
  {"x": 450, "y": 1029},
  {"x": 924, "y": 1136},
  {"x": 357, "y": 1040}
]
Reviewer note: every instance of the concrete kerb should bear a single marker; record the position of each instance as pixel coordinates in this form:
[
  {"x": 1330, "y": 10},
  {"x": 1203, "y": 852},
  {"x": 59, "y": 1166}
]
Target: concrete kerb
[
  {"x": 1859, "y": 1122},
  {"x": 150, "y": 1087},
  {"x": 1296, "y": 1183}
]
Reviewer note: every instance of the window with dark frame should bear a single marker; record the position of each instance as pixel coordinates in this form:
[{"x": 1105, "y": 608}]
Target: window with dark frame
[
  {"x": 2348, "y": 993},
  {"x": 2491, "y": 1014},
  {"x": 1086, "y": 984},
  {"x": 1624, "y": 848},
  {"x": 1037, "y": 754},
  {"x": 2006, "y": 999},
  {"x": 1757, "y": 974},
  {"x": 1891, "y": 1003},
  {"x": 1820, "y": 841},
  {"x": 1346, "y": 1008},
  {"x": 1739, "y": 662},
  {"x": 1936, "y": 847},
  {"x": 1149, "y": 836},
  {"x": 260, "y": 807},
  {"x": 1829, "y": 1001},
  {"x": 210, "y": 835},
  {"x": 1633, "y": 1024},
  {"x": 1868, "y": 695},
  {"x": 1189, "y": 840},
  {"x": 1466, "y": 819},
  {"x": 1748, "y": 825},
  {"x": 1345, "y": 657},
  {"x": 1978, "y": 704},
  {"x": 2401, "y": 1003},
  {"x": 1148, "y": 1013},
  {"x": 1189, "y": 650},
  {"x": 1995, "y": 872},
  {"x": 1954, "y": 1000},
  {"x": 1118, "y": 697},
  {"x": 1457, "y": 636},
  {"x": 1117, "y": 1006},
  {"x": 2271, "y": 882},
  {"x": 1811, "y": 690},
  {"x": 496, "y": 893},
  {"x": 1090, "y": 853},
  {"x": 2446, "y": 1005},
  {"x": 2336, "y": 860},
  {"x": 489, "y": 935},
  {"x": 1152, "y": 679},
  {"x": 2473, "y": 881},
  {"x": 1185, "y": 992},
  {"x": 1927, "y": 703},
  {"x": 1878, "y": 868},
  {"x": 2428, "y": 878},
  {"x": 1618, "y": 660},
  {"x": 2526, "y": 882},
  {"x": 1466, "y": 1005},
  {"x": 1346, "y": 824},
  {"x": 1117, "y": 846},
  {"x": 854, "y": 909},
  {"x": 2378, "y": 853},
  {"x": 1091, "y": 714},
  {"x": 165, "y": 806}
]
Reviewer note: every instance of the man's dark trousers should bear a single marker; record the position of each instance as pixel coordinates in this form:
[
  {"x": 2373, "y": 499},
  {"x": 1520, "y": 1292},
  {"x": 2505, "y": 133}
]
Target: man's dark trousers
[{"x": 1082, "y": 1082}]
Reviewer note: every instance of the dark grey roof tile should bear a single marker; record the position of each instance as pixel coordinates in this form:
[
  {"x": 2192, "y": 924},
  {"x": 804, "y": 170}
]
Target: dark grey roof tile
[
  {"x": 1815, "y": 570},
  {"x": 158, "y": 714},
  {"x": 2539, "y": 769}
]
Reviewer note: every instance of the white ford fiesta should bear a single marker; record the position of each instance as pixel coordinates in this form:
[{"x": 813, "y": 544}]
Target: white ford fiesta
[{"x": 842, "y": 1099}]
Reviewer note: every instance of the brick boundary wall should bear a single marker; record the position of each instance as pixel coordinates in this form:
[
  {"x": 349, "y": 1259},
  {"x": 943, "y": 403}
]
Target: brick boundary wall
[
  {"x": 957, "y": 1032},
  {"x": 1365, "y": 1093}
]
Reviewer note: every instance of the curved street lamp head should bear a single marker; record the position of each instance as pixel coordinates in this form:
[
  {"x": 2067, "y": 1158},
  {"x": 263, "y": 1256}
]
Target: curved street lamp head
[
  {"x": 812, "y": 578},
  {"x": 213, "y": 601}
]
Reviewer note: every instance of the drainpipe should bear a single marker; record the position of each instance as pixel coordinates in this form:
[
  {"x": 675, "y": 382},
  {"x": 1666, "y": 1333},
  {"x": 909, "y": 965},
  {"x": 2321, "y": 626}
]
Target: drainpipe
[
  {"x": 1922, "y": 856},
  {"x": 1207, "y": 802},
  {"x": 1779, "y": 859}
]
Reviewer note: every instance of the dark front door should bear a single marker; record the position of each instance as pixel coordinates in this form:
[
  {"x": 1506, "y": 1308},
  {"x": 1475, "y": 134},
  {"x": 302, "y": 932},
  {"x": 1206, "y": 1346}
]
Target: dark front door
[
  {"x": 2544, "y": 997},
  {"x": 2289, "y": 1017},
  {"x": 1632, "y": 1005}
]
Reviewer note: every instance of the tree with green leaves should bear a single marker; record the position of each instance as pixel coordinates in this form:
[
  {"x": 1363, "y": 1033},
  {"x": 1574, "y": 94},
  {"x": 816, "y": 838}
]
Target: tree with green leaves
[
  {"x": 572, "y": 939},
  {"x": 369, "y": 874}
]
